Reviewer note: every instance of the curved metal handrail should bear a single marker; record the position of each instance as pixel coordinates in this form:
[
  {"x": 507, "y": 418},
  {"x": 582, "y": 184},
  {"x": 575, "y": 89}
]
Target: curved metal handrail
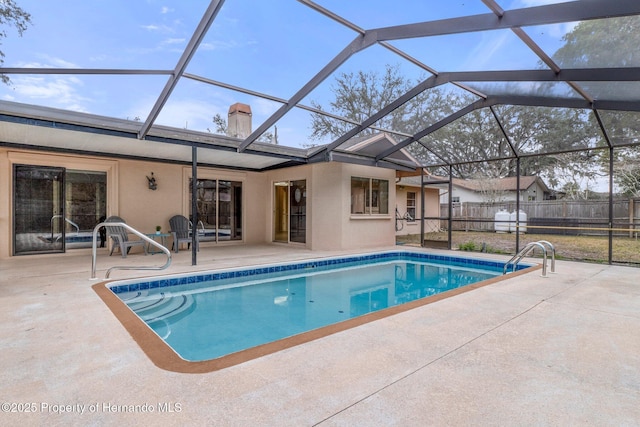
[
  {"x": 202, "y": 229},
  {"x": 401, "y": 218},
  {"x": 66, "y": 220},
  {"x": 94, "y": 249},
  {"x": 524, "y": 252},
  {"x": 553, "y": 254}
]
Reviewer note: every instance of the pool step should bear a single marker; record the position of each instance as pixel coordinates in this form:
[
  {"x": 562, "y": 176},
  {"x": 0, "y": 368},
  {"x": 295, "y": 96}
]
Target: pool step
[{"x": 160, "y": 306}]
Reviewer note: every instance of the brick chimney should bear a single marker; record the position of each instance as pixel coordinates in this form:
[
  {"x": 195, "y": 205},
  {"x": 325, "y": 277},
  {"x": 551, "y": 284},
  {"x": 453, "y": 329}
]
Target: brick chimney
[{"x": 239, "y": 121}]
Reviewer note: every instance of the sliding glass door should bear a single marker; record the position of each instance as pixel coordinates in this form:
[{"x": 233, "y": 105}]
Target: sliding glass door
[
  {"x": 38, "y": 200},
  {"x": 229, "y": 210},
  {"x": 56, "y": 209},
  {"x": 85, "y": 205},
  {"x": 219, "y": 209}
]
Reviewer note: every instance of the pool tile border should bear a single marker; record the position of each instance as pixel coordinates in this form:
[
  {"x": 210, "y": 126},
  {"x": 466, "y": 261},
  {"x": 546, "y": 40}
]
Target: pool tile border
[{"x": 246, "y": 273}]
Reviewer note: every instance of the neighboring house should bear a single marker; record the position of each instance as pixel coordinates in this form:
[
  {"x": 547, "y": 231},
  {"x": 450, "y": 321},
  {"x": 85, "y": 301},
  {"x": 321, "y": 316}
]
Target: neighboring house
[
  {"x": 59, "y": 167},
  {"x": 532, "y": 188}
]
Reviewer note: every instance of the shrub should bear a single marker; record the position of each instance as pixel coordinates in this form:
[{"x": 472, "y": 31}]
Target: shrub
[{"x": 468, "y": 246}]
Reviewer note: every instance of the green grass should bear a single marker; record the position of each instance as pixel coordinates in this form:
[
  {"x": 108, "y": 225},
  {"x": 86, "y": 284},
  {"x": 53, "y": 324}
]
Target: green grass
[{"x": 577, "y": 248}]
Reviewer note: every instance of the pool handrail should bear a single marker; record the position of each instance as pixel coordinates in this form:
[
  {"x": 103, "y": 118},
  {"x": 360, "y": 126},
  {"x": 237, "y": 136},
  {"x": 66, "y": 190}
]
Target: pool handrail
[
  {"x": 553, "y": 254},
  {"x": 94, "y": 249},
  {"x": 202, "y": 229},
  {"x": 66, "y": 220},
  {"x": 524, "y": 252}
]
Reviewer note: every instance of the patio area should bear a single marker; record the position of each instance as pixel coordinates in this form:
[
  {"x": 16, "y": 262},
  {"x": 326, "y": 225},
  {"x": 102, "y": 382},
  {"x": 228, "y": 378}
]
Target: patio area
[{"x": 563, "y": 350}]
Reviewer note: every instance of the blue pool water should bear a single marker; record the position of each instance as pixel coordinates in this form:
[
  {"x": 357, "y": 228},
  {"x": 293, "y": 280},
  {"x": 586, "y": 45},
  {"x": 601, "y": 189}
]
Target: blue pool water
[
  {"x": 206, "y": 316},
  {"x": 82, "y": 237}
]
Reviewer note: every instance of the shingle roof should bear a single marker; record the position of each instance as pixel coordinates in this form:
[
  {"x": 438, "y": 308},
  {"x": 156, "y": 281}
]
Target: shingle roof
[{"x": 500, "y": 184}]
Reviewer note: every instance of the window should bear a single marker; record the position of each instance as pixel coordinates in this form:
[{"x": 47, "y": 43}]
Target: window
[
  {"x": 455, "y": 199},
  {"x": 369, "y": 196},
  {"x": 411, "y": 206}
]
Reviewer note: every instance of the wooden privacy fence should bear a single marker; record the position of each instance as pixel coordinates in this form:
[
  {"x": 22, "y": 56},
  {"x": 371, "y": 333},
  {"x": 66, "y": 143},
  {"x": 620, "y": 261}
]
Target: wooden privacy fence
[{"x": 567, "y": 217}]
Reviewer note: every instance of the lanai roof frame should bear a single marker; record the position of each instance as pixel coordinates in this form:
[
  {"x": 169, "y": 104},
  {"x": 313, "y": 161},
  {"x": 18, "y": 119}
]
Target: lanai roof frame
[{"x": 497, "y": 18}]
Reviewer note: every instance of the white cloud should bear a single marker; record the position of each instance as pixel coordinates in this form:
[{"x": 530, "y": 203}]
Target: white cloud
[
  {"x": 59, "y": 91},
  {"x": 219, "y": 45},
  {"x": 48, "y": 62},
  {"x": 174, "y": 41},
  {"x": 158, "y": 28},
  {"x": 165, "y": 9},
  {"x": 490, "y": 48},
  {"x": 263, "y": 107},
  {"x": 99, "y": 58},
  {"x": 194, "y": 115},
  {"x": 557, "y": 30}
]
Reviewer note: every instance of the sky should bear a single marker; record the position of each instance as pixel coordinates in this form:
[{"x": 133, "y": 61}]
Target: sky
[{"x": 268, "y": 46}]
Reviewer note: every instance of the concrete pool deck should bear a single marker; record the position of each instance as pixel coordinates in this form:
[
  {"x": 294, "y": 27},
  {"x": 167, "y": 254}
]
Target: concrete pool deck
[{"x": 563, "y": 350}]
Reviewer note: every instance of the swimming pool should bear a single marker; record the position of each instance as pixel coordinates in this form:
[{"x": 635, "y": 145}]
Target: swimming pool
[{"x": 214, "y": 315}]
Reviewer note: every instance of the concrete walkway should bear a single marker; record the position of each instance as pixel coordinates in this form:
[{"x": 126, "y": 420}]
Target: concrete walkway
[{"x": 558, "y": 351}]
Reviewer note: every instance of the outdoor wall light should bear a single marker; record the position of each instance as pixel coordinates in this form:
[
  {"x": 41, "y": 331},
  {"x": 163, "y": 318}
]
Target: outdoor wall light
[{"x": 153, "y": 185}]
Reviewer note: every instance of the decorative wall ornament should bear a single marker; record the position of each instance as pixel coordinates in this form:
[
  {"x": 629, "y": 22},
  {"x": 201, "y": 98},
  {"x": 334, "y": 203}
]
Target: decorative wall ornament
[{"x": 153, "y": 185}]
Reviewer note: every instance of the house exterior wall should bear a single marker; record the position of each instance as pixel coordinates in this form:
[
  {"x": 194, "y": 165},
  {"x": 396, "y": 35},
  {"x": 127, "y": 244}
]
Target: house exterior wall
[
  {"x": 10, "y": 157},
  {"x": 6, "y": 205},
  {"x": 254, "y": 193},
  {"x": 141, "y": 207},
  {"x": 144, "y": 208},
  {"x": 432, "y": 209},
  {"x": 535, "y": 192},
  {"x": 465, "y": 195},
  {"x": 364, "y": 231},
  {"x": 330, "y": 225}
]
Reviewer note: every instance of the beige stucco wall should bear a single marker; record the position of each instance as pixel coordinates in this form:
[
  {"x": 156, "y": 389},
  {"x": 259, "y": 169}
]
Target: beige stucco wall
[
  {"x": 367, "y": 231},
  {"x": 254, "y": 198},
  {"x": 128, "y": 195},
  {"x": 141, "y": 207},
  {"x": 339, "y": 228},
  {"x": 5, "y": 204},
  {"x": 432, "y": 209},
  {"x": 330, "y": 206},
  {"x": 330, "y": 224},
  {"x": 146, "y": 208},
  {"x": 407, "y": 227},
  {"x": 9, "y": 157}
]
